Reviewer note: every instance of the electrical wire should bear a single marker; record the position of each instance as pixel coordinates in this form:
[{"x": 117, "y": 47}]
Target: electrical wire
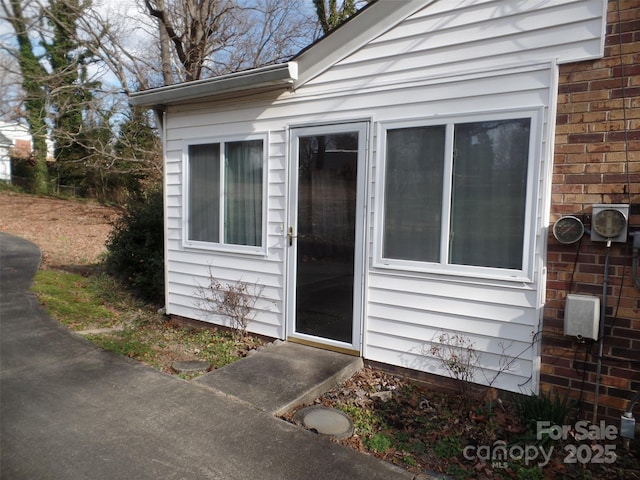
[
  {"x": 584, "y": 378},
  {"x": 614, "y": 313},
  {"x": 623, "y": 91}
]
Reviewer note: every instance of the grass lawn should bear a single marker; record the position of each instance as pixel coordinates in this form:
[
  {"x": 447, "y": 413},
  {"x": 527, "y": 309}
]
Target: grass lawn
[{"x": 130, "y": 327}]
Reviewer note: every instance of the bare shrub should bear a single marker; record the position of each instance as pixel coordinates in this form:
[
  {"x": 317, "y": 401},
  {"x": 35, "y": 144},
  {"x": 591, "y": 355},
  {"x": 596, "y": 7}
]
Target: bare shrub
[
  {"x": 235, "y": 300},
  {"x": 458, "y": 356}
]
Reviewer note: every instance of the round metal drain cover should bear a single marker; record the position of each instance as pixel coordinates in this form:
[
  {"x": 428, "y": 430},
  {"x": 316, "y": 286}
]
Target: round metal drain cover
[{"x": 325, "y": 421}]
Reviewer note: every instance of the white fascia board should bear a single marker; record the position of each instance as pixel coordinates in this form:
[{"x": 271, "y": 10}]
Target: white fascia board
[
  {"x": 280, "y": 74},
  {"x": 367, "y": 25}
]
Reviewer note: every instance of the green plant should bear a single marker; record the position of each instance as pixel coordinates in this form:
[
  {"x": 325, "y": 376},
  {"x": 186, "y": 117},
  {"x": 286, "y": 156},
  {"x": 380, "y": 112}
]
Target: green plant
[
  {"x": 72, "y": 299},
  {"x": 135, "y": 248},
  {"x": 366, "y": 421},
  {"x": 457, "y": 472},
  {"x": 100, "y": 301},
  {"x": 522, "y": 472},
  {"x": 126, "y": 343},
  {"x": 543, "y": 407},
  {"x": 410, "y": 461},
  {"x": 235, "y": 300},
  {"x": 10, "y": 187},
  {"x": 379, "y": 442},
  {"x": 448, "y": 447}
]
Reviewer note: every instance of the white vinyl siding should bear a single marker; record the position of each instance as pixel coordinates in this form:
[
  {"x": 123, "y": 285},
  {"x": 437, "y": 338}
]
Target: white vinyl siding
[{"x": 452, "y": 61}]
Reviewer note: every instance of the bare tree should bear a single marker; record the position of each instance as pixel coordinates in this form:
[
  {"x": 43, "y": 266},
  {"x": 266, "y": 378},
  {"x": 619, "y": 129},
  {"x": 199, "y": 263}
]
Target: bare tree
[
  {"x": 332, "y": 14},
  {"x": 214, "y": 37},
  {"x": 197, "y": 30},
  {"x": 75, "y": 71},
  {"x": 171, "y": 41},
  {"x": 277, "y": 30}
]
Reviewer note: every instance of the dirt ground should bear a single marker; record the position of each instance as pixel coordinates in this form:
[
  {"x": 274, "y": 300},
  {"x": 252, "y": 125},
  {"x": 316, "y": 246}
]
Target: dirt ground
[{"x": 69, "y": 232}]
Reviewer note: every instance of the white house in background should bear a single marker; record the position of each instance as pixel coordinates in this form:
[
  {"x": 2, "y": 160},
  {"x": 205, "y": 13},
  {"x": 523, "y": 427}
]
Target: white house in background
[
  {"x": 5, "y": 160},
  {"x": 13, "y": 137},
  {"x": 390, "y": 183}
]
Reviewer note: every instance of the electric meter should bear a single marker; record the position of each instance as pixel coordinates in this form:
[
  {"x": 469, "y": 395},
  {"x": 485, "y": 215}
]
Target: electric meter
[
  {"x": 609, "y": 223},
  {"x": 568, "y": 229}
]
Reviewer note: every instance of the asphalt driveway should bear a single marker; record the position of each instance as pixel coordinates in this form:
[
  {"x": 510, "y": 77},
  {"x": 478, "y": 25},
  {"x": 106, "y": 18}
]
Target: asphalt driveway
[{"x": 69, "y": 410}]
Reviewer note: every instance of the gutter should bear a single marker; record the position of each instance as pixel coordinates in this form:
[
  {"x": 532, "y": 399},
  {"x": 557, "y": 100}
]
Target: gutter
[{"x": 282, "y": 74}]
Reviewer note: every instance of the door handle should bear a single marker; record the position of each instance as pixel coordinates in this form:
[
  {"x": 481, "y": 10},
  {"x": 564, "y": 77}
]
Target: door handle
[{"x": 291, "y": 236}]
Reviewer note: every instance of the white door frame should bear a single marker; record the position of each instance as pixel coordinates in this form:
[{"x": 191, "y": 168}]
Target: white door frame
[{"x": 363, "y": 129}]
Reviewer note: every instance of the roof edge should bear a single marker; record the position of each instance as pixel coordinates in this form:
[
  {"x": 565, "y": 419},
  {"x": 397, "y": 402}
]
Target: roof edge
[
  {"x": 369, "y": 23},
  {"x": 271, "y": 75}
]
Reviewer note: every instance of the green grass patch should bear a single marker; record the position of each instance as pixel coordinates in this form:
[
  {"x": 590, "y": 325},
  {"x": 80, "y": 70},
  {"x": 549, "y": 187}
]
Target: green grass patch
[
  {"x": 127, "y": 343},
  {"x": 365, "y": 420},
  {"x": 379, "y": 442},
  {"x": 73, "y": 300},
  {"x": 448, "y": 447},
  {"x": 100, "y": 301}
]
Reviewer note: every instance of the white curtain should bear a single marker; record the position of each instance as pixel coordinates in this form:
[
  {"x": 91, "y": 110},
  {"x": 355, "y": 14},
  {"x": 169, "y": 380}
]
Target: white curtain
[
  {"x": 243, "y": 192},
  {"x": 489, "y": 193},
  {"x": 204, "y": 193},
  {"x": 413, "y": 193}
]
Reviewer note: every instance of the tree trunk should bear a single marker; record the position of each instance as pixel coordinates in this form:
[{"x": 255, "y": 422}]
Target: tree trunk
[{"x": 33, "y": 76}]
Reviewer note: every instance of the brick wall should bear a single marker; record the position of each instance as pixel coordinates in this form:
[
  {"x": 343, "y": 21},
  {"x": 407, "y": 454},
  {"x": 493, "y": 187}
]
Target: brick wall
[{"x": 597, "y": 160}]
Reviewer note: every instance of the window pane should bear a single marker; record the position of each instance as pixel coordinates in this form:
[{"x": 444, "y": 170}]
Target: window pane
[
  {"x": 489, "y": 193},
  {"x": 413, "y": 193},
  {"x": 243, "y": 193},
  {"x": 204, "y": 192}
]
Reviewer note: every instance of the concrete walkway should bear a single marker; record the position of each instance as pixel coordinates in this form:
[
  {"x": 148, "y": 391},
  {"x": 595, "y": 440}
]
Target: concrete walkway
[
  {"x": 282, "y": 376},
  {"x": 69, "y": 410}
]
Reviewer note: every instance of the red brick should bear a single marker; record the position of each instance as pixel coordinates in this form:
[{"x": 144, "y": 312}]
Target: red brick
[
  {"x": 606, "y": 147},
  {"x": 626, "y": 114},
  {"x": 590, "y": 96},
  {"x": 620, "y": 178},
  {"x": 585, "y": 158},
  {"x": 566, "y": 148},
  {"x": 573, "y": 107},
  {"x": 621, "y": 136},
  {"x": 572, "y": 128},
  {"x": 616, "y": 39},
  {"x": 597, "y": 169},
  {"x": 589, "y": 74},
  {"x": 576, "y": 87},
  {"x": 583, "y": 179},
  {"x": 609, "y": 167},
  {"x": 586, "y": 138},
  {"x": 606, "y": 126},
  {"x": 607, "y": 105},
  {"x": 626, "y": 70},
  {"x": 625, "y": 92},
  {"x": 609, "y": 84},
  {"x": 588, "y": 117},
  {"x": 605, "y": 189},
  {"x": 628, "y": 26}
]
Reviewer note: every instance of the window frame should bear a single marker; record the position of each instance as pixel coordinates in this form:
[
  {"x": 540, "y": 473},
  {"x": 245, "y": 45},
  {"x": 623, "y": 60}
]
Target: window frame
[
  {"x": 221, "y": 246},
  {"x": 534, "y": 164}
]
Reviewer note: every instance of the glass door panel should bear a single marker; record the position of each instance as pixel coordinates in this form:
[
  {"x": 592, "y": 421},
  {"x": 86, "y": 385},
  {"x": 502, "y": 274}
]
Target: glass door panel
[{"x": 326, "y": 235}]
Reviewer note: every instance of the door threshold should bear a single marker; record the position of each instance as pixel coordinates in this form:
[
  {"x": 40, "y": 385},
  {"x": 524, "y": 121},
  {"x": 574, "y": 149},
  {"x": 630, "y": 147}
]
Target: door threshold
[{"x": 324, "y": 346}]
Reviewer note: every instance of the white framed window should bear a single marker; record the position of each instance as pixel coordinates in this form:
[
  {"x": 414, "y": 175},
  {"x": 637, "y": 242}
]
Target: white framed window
[
  {"x": 456, "y": 195},
  {"x": 225, "y": 194}
]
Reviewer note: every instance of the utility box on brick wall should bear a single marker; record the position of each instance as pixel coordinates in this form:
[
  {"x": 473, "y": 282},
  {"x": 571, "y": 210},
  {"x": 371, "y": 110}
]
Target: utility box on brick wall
[{"x": 582, "y": 316}]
